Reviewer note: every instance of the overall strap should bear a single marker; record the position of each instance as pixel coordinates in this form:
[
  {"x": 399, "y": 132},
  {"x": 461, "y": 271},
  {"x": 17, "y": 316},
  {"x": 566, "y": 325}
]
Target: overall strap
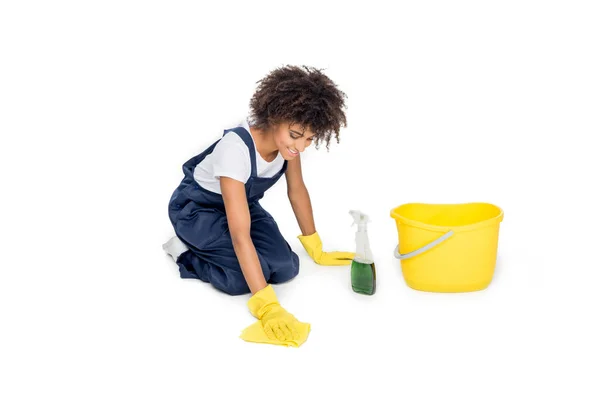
[{"x": 245, "y": 135}]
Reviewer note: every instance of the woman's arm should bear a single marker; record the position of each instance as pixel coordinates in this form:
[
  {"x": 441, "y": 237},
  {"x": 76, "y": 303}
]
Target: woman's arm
[
  {"x": 310, "y": 239},
  {"x": 238, "y": 219},
  {"x": 299, "y": 198}
]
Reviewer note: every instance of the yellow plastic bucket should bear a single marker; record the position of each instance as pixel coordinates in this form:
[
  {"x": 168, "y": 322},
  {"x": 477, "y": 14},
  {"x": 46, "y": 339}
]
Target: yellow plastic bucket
[{"x": 447, "y": 247}]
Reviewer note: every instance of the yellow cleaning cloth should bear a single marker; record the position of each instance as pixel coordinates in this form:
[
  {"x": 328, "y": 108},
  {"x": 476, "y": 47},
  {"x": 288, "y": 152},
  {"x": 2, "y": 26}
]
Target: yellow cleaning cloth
[
  {"x": 255, "y": 333},
  {"x": 275, "y": 325}
]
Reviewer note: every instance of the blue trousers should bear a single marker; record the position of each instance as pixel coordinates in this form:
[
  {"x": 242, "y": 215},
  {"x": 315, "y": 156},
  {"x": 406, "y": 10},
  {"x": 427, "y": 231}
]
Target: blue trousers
[{"x": 212, "y": 259}]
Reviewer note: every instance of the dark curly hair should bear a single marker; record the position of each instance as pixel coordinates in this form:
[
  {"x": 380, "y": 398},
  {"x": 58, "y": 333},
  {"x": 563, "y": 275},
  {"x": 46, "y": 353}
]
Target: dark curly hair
[{"x": 304, "y": 96}]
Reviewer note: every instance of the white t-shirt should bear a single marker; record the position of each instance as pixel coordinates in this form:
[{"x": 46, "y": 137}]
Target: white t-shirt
[{"x": 231, "y": 158}]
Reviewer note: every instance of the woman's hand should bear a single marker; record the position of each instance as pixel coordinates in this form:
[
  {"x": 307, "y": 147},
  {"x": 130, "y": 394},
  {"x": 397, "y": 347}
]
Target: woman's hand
[{"x": 314, "y": 247}]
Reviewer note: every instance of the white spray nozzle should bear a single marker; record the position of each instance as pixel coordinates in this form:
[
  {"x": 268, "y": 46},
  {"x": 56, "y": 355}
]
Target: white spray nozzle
[
  {"x": 360, "y": 218},
  {"x": 363, "y": 251}
]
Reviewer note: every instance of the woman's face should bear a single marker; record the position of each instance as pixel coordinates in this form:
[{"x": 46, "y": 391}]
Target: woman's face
[{"x": 290, "y": 140}]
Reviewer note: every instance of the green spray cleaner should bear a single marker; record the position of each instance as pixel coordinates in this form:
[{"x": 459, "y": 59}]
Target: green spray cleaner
[{"x": 363, "y": 266}]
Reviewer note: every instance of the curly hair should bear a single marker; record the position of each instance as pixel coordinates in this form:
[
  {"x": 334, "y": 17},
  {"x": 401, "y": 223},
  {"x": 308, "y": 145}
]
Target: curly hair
[{"x": 304, "y": 96}]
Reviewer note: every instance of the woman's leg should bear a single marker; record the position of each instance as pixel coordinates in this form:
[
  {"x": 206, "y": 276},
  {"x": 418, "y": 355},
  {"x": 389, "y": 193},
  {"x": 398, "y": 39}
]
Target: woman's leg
[
  {"x": 270, "y": 244},
  {"x": 211, "y": 257}
]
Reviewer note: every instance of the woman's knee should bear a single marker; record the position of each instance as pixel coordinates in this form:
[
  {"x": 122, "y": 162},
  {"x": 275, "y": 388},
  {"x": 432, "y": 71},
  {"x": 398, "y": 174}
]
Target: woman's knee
[
  {"x": 285, "y": 271},
  {"x": 228, "y": 281}
]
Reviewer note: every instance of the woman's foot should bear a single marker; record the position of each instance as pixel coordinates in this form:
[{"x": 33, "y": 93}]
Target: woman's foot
[{"x": 175, "y": 247}]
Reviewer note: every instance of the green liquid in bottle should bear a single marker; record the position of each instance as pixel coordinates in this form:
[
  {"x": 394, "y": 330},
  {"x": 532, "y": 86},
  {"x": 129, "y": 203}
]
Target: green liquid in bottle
[{"x": 363, "y": 277}]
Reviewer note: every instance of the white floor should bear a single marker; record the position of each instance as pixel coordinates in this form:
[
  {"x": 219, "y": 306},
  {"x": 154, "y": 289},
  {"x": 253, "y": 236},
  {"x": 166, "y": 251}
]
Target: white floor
[{"x": 455, "y": 102}]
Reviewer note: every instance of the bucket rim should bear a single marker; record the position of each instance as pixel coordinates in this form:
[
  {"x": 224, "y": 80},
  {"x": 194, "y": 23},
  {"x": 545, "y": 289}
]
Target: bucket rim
[{"x": 441, "y": 228}]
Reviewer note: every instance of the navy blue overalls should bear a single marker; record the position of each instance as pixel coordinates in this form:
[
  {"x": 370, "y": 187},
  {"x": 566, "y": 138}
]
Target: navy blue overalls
[{"x": 198, "y": 216}]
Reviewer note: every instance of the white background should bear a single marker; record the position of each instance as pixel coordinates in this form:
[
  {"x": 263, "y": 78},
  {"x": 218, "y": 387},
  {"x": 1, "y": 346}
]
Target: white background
[{"x": 102, "y": 102}]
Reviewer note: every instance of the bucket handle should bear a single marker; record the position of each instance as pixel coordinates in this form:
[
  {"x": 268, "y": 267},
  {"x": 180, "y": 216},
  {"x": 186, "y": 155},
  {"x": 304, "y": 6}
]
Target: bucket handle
[{"x": 424, "y": 248}]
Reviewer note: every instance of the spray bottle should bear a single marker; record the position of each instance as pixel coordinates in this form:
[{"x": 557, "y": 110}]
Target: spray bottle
[{"x": 363, "y": 266}]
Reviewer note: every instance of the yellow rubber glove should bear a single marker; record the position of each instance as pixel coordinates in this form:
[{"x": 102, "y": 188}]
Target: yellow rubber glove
[
  {"x": 313, "y": 246},
  {"x": 275, "y": 325}
]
